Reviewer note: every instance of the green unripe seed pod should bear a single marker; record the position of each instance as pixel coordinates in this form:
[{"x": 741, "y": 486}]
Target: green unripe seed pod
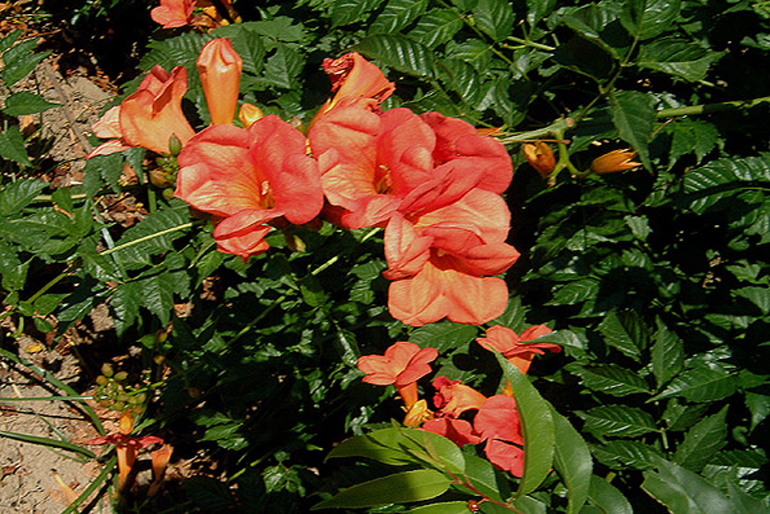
[
  {"x": 107, "y": 370},
  {"x": 101, "y": 380},
  {"x": 121, "y": 375}
]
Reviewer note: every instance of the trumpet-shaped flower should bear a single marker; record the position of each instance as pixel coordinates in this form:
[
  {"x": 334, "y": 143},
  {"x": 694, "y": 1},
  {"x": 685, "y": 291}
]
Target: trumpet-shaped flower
[
  {"x": 540, "y": 156},
  {"x": 438, "y": 260},
  {"x": 452, "y": 398},
  {"x": 173, "y": 13},
  {"x": 149, "y": 117},
  {"x": 514, "y": 347},
  {"x": 220, "y": 69},
  {"x": 616, "y": 160},
  {"x": 403, "y": 364},
  {"x": 247, "y": 178}
]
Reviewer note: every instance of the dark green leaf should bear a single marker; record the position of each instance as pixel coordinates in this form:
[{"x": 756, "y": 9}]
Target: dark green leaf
[
  {"x": 680, "y": 416},
  {"x": 484, "y": 477},
  {"x": 646, "y": 19},
  {"x": 17, "y": 195},
  {"x": 436, "y": 27},
  {"x": 572, "y": 461},
  {"x": 537, "y": 428},
  {"x": 409, "y": 486},
  {"x": 759, "y": 406},
  {"x": 683, "y": 491},
  {"x": 396, "y": 15},
  {"x": 575, "y": 292},
  {"x": 12, "y": 270},
  {"x": 283, "y": 67},
  {"x": 707, "y": 185},
  {"x": 443, "y": 335},
  {"x": 209, "y": 494},
  {"x": 24, "y": 102},
  {"x": 633, "y": 113},
  {"x": 494, "y": 17},
  {"x": 703, "y": 441},
  {"x": 345, "y": 12},
  {"x": 125, "y": 302},
  {"x": 19, "y": 61},
  {"x": 626, "y": 331},
  {"x": 667, "y": 354},
  {"x": 677, "y": 57},
  {"x": 623, "y": 453},
  {"x": 610, "y": 379},
  {"x": 384, "y": 445},
  {"x": 607, "y": 498},
  {"x": 173, "y": 51},
  {"x": 617, "y": 421},
  {"x": 401, "y": 53},
  {"x": 743, "y": 502},
  {"x": 701, "y": 384},
  {"x": 457, "y": 507},
  {"x": 12, "y": 146},
  {"x": 759, "y": 296},
  {"x": 436, "y": 450}
]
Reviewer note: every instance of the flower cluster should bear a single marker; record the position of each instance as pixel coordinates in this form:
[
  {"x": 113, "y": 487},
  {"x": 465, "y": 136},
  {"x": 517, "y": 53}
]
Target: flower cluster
[
  {"x": 462, "y": 414},
  {"x": 432, "y": 182}
]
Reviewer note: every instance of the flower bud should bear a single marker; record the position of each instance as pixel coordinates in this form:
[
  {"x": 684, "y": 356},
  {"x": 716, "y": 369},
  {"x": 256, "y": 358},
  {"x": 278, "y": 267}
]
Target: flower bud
[
  {"x": 174, "y": 145},
  {"x": 220, "y": 69},
  {"x": 540, "y": 157},
  {"x": 249, "y": 114},
  {"x": 616, "y": 160},
  {"x": 107, "y": 370}
]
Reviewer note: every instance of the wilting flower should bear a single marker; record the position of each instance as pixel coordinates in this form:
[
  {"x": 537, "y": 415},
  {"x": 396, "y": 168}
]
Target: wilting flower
[
  {"x": 220, "y": 69},
  {"x": 540, "y": 156},
  {"x": 498, "y": 423},
  {"x": 452, "y": 397},
  {"x": 247, "y": 178},
  {"x": 438, "y": 260},
  {"x": 173, "y": 13},
  {"x": 149, "y": 117},
  {"x": 514, "y": 347},
  {"x": 417, "y": 414},
  {"x": 358, "y": 83},
  {"x": 160, "y": 460},
  {"x": 126, "y": 446},
  {"x": 616, "y": 160},
  {"x": 403, "y": 364}
]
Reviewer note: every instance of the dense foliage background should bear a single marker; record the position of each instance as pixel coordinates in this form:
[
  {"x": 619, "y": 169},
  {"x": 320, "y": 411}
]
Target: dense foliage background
[{"x": 655, "y": 279}]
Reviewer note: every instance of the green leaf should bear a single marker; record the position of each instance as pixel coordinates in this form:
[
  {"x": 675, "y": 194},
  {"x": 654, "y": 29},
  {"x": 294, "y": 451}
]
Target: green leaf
[
  {"x": 170, "y": 52},
  {"x": 647, "y": 19},
  {"x": 701, "y": 384},
  {"x": 12, "y": 270},
  {"x": 537, "y": 428},
  {"x": 633, "y": 114},
  {"x": 17, "y": 195},
  {"x": 436, "y": 27},
  {"x": 683, "y": 491},
  {"x": 398, "y": 52},
  {"x": 208, "y": 494},
  {"x": 679, "y": 416},
  {"x": 7, "y": 41},
  {"x": 667, "y": 354},
  {"x": 408, "y": 486},
  {"x": 677, "y": 57},
  {"x": 625, "y": 331},
  {"x": 494, "y": 17},
  {"x": 758, "y": 405},
  {"x": 575, "y": 292},
  {"x": 457, "y": 507},
  {"x": 436, "y": 450},
  {"x": 19, "y": 61},
  {"x": 345, "y": 12},
  {"x": 572, "y": 461},
  {"x": 759, "y": 296},
  {"x": 396, "y": 15},
  {"x": 617, "y": 421},
  {"x": 703, "y": 441},
  {"x": 443, "y": 335},
  {"x": 622, "y": 454},
  {"x": 484, "y": 477},
  {"x": 610, "y": 379},
  {"x": 24, "y": 102},
  {"x": 385, "y": 445},
  {"x": 462, "y": 78},
  {"x": 12, "y": 147},
  {"x": 607, "y": 498},
  {"x": 711, "y": 183},
  {"x": 283, "y": 67},
  {"x": 743, "y": 502}
]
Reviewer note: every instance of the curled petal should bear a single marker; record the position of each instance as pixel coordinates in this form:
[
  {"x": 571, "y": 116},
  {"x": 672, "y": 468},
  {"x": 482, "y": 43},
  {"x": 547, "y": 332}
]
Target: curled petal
[
  {"x": 458, "y": 431},
  {"x": 498, "y": 418},
  {"x": 173, "y": 13},
  {"x": 453, "y": 398},
  {"x": 505, "y": 456},
  {"x": 405, "y": 251}
]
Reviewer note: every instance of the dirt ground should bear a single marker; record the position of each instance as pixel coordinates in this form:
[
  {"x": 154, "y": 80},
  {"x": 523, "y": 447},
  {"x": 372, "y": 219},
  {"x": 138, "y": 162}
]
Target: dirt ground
[{"x": 28, "y": 471}]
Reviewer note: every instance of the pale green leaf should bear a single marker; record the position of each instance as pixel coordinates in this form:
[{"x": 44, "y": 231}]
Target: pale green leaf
[
  {"x": 572, "y": 461},
  {"x": 607, "y": 498},
  {"x": 623, "y": 453},
  {"x": 683, "y": 491},
  {"x": 633, "y": 114}
]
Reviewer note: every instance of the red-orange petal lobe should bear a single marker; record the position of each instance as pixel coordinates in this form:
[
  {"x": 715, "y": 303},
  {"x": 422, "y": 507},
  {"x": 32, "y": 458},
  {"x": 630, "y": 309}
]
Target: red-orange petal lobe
[
  {"x": 370, "y": 211},
  {"x": 499, "y": 338},
  {"x": 107, "y": 148},
  {"x": 418, "y": 300},
  {"x": 108, "y": 126},
  {"x": 173, "y": 13},
  {"x": 385, "y": 369},
  {"x": 535, "y": 332},
  {"x": 482, "y": 209},
  {"x": 278, "y": 150},
  {"x": 149, "y": 117},
  {"x": 404, "y": 151},
  {"x": 458, "y": 431},
  {"x": 453, "y": 398},
  {"x": 490, "y": 259},
  {"x": 244, "y": 243},
  {"x": 474, "y": 300},
  {"x": 498, "y": 418},
  {"x": 505, "y": 456},
  {"x": 417, "y": 367},
  {"x": 458, "y": 142},
  {"x": 405, "y": 251},
  {"x": 355, "y": 78}
]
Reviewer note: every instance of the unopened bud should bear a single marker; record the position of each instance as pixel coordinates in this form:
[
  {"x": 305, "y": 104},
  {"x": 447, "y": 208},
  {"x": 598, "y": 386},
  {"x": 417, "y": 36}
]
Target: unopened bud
[
  {"x": 174, "y": 145},
  {"x": 107, "y": 370},
  {"x": 249, "y": 114}
]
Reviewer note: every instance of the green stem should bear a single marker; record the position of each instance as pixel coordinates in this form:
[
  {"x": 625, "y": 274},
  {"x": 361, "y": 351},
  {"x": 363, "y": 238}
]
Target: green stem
[
  {"x": 527, "y": 42},
  {"x": 183, "y": 226},
  {"x": 560, "y": 125},
  {"x": 709, "y": 108},
  {"x": 51, "y": 283}
]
